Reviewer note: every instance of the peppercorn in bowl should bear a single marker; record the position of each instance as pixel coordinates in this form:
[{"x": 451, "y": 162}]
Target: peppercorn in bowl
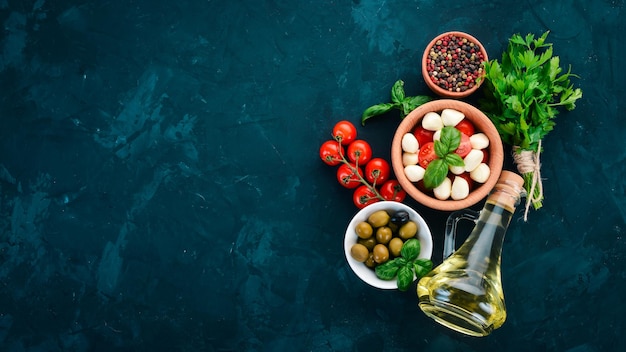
[
  {"x": 452, "y": 63},
  {"x": 376, "y": 236}
]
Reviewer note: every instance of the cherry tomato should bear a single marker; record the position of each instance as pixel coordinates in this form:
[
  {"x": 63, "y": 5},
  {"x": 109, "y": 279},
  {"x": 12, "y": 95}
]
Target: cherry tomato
[
  {"x": 359, "y": 152},
  {"x": 464, "y": 147},
  {"x": 364, "y": 196},
  {"x": 426, "y": 154},
  {"x": 485, "y": 155},
  {"x": 467, "y": 178},
  {"x": 377, "y": 171},
  {"x": 344, "y": 132},
  {"x": 465, "y": 126},
  {"x": 348, "y": 177},
  {"x": 423, "y": 135},
  {"x": 331, "y": 152},
  {"x": 391, "y": 190}
]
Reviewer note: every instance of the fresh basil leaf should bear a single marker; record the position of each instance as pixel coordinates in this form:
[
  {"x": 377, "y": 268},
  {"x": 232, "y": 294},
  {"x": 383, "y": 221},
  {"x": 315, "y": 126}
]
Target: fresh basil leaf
[
  {"x": 435, "y": 173},
  {"x": 410, "y": 249},
  {"x": 440, "y": 149},
  {"x": 375, "y": 110},
  {"x": 397, "y": 92},
  {"x": 406, "y": 109},
  {"x": 401, "y": 261},
  {"x": 451, "y": 138},
  {"x": 387, "y": 270},
  {"x": 405, "y": 277},
  {"x": 416, "y": 101},
  {"x": 454, "y": 159},
  {"x": 422, "y": 267}
]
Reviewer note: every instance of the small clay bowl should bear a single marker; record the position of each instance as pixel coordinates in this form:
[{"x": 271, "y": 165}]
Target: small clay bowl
[
  {"x": 481, "y": 123},
  {"x": 452, "y": 92}
]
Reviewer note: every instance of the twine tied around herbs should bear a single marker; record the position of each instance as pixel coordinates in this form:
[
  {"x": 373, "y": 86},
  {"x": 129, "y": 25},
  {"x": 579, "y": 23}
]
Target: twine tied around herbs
[{"x": 528, "y": 161}]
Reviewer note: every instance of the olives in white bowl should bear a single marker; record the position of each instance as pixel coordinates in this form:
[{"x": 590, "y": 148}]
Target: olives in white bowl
[{"x": 384, "y": 245}]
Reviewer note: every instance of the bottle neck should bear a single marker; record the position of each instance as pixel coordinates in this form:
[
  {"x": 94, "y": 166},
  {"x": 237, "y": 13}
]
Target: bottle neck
[{"x": 506, "y": 195}]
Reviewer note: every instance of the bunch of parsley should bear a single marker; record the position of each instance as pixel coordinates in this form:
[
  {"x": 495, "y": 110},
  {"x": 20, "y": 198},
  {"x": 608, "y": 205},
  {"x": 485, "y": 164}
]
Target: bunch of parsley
[{"x": 522, "y": 95}]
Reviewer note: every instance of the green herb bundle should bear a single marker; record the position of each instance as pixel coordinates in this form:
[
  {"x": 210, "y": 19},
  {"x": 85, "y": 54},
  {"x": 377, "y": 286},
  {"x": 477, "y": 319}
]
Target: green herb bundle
[{"x": 522, "y": 95}]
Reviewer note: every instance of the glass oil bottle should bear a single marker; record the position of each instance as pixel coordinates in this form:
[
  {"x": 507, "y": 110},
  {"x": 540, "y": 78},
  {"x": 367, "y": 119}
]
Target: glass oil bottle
[{"x": 465, "y": 292}]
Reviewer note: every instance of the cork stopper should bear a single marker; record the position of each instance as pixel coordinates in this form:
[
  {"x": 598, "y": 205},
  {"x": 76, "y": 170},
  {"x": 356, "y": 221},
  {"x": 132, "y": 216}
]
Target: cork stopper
[
  {"x": 507, "y": 191},
  {"x": 511, "y": 178}
]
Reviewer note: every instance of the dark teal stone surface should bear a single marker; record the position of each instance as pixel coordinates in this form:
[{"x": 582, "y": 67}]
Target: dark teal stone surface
[{"x": 160, "y": 188}]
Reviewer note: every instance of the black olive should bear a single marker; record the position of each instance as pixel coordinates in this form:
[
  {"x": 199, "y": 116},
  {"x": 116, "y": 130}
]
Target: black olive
[{"x": 400, "y": 218}]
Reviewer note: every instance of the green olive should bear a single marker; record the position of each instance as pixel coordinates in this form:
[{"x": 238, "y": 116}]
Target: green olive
[
  {"x": 364, "y": 230},
  {"x": 395, "y": 245},
  {"x": 408, "y": 230},
  {"x": 381, "y": 253},
  {"x": 369, "y": 243},
  {"x": 383, "y": 235},
  {"x": 370, "y": 263},
  {"x": 359, "y": 252},
  {"x": 379, "y": 218}
]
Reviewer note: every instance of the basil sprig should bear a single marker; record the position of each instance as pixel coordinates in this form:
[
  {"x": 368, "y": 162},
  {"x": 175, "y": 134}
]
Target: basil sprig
[
  {"x": 437, "y": 170},
  {"x": 399, "y": 101},
  {"x": 405, "y": 267}
]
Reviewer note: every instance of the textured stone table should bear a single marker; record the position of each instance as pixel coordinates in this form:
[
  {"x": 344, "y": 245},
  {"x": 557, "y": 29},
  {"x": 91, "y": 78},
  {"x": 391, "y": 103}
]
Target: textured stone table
[{"x": 160, "y": 188}]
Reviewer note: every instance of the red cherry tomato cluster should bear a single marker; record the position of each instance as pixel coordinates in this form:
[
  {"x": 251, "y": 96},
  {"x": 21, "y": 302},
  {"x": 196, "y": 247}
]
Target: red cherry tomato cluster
[{"x": 369, "y": 177}]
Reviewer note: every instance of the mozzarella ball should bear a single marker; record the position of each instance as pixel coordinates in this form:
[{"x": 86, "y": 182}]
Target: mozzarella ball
[
  {"x": 409, "y": 159},
  {"x": 481, "y": 173},
  {"x": 473, "y": 159},
  {"x": 410, "y": 143},
  {"x": 432, "y": 121},
  {"x": 451, "y": 117},
  {"x": 414, "y": 173},
  {"x": 442, "y": 192},
  {"x": 479, "y": 141},
  {"x": 460, "y": 188}
]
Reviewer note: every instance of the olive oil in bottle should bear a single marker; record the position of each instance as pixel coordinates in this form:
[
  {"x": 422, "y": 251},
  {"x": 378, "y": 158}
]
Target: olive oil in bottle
[{"x": 465, "y": 292}]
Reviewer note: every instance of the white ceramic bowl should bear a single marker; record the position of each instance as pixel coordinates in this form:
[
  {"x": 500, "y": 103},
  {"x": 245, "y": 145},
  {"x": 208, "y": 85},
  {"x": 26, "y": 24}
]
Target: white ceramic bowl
[{"x": 363, "y": 272}]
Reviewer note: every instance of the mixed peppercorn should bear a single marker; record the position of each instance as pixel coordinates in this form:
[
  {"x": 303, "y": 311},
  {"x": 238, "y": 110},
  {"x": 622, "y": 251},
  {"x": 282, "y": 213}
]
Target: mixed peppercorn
[{"x": 454, "y": 63}]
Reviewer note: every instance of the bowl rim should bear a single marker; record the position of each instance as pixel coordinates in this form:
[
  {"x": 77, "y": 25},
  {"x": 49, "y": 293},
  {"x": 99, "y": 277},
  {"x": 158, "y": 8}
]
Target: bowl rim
[
  {"x": 368, "y": 275},
  {"x": 438, "y": 90},
  {"x": 495, "y": 148}
]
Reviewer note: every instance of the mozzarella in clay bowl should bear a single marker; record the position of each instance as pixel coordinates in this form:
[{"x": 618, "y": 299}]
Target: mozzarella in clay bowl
[{"x": 472, "y": 150}]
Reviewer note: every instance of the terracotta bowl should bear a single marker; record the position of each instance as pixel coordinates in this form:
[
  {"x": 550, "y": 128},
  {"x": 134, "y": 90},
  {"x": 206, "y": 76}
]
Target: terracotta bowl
[
  {"x": 363, "y": 272},
  {"x": 426, "y": 74},
  {"x": 481, "y": 123}
]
